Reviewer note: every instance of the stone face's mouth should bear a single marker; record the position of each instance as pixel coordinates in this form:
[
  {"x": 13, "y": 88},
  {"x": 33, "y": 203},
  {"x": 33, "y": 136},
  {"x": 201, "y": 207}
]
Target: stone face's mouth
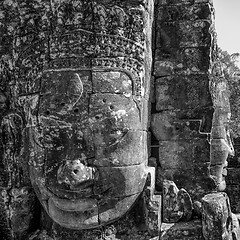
[
  {"x": 78, "y": 193},
  {"x": 73, "y": 214},
  {"x": 75, "y": 205}
]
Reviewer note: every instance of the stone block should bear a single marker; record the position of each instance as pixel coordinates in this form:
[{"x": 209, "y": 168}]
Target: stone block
[
  {"x": 236, "y": 227},
  {"x": 204, "y": 116},
  {"x": 21, "y": 205},
  {"x": 233, "y": 191},
  {"x": 131, "y": 149},
  {"x": 175, "y": 2},
  {"x": 163, "y": 68},
  {"x": 190, "y": 60},
  {"x": 195, "y": 33},
  {"x": 195, "y": 181},
  {"x": 183, "y": 34},
  {"x": 191, "y": 230},
  {"x": 165, "y": 127},
  {"x": 183, "y": 12},
  {"x": 216, "y": 217},
  {"x": 114, "y": 207},
  {"x": 184, "y": 154},
  {"x": 115, "y": 182},
  {"x": 182, "y": 92},
  {"x": 219, "y": 151},
  {"x": 153, "y": 211},
  {"x": 182, "y": 2},
  {"x": 233, "y": 176}
]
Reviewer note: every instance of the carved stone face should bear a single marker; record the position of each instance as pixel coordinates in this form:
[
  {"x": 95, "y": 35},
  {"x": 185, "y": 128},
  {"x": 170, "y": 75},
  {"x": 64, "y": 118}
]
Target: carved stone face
[
  {"x": 221, "y": 144},
  {"x": 88, "y": 151},
  {"x": 86, "y": 74}
]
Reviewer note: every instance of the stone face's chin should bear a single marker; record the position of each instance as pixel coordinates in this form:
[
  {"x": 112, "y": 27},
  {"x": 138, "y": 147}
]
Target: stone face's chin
[
  {"x": 87, "y": 213},
  {"x": 74, "y": 205},
  {"x": 78, "y": 214}
]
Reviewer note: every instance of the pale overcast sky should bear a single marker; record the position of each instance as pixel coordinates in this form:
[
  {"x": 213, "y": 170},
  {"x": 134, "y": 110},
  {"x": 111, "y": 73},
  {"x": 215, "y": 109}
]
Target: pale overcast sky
[{"x": 227, "y": 16}]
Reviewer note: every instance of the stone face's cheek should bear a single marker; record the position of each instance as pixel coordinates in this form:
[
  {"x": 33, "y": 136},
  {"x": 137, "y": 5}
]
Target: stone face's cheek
[
  {"x": 117, "y": 182},
  {"x": 114, "y": 111},
  {"x": 129, "y": 149},
  {"x": 113, "y": 208}
]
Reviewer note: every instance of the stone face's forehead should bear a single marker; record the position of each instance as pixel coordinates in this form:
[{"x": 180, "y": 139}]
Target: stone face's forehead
[
  {"x": 76, "y": 82},
  {"x": 66, "y": 82}
]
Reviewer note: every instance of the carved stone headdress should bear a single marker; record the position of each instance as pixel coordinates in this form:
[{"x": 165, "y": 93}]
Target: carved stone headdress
[{"x": 110, "y": 36}]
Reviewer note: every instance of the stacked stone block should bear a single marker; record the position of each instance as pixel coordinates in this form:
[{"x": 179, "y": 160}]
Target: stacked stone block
[{"x": 183, "y": 107}]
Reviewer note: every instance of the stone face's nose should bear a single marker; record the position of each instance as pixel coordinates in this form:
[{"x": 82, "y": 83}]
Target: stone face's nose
[{"x": 75, "y": 173}]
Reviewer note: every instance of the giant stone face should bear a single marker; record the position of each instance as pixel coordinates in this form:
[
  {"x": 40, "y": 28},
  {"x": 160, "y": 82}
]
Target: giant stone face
[
  {"x": 87, "y": 122},
  {"x": 90, "y": 147}
]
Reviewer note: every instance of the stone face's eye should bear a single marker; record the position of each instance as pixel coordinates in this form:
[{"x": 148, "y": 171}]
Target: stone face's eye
[{"x": 76, "y": 110}]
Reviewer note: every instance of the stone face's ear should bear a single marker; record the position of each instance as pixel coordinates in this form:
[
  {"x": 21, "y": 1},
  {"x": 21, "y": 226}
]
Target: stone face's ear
[
  {"x": 29, "y": 104},
  {"x": 29, "y": 101}
]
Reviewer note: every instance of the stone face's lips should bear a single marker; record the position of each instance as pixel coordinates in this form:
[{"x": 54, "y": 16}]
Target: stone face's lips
[
  {"x": 84, "y": 193},
  {"x": 74, "y": 205},
  {"x": 72, "y": 216}
]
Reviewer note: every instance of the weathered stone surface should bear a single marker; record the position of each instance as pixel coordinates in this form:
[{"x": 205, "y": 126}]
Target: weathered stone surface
[
  {"x": 182, "y": 92},
  {"x": 166, "y": 127},
  {"x": 233, "y": 192},
  {"x": 195, "y": 181},
  {"x": 184, "y": 60},
  {"x": 114, "y": 208},
  {"x": 183, "y": 154},
  {"x": 177, "y": 204},
  {"x": 216, "y": 217},
  {"x": 221, "y": 143},
  {"x": 197, "y": 209},
  {"x": 78, "y": 65},
  {"x": 233, "y": 188},
  {"x": 119, "y": 182},
  {"x": 171, "y": 211},
  {"x": 191, "y": 230},
  {"x": 129, "y": 150},
  {"x": 17, "y": 212},
  {"x": 169, "y": 13},
  {"x": 184, "y": 34},
  {"x": 82, "y": 69},
  {"x": 112, "y": 82},
  {"x": 236, "y": 227},
  {"x": 182, "y": 2},
  {"x": 152, "y": 202}
]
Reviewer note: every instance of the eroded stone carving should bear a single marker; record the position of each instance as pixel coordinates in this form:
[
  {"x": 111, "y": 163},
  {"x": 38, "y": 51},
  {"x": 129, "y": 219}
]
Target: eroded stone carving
[
  {"x": 217, "y": 216},
  {"x": 177, "y": 204},
  {"x": 221, "y": 143},
  {"x": 84, "y": 83}
]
